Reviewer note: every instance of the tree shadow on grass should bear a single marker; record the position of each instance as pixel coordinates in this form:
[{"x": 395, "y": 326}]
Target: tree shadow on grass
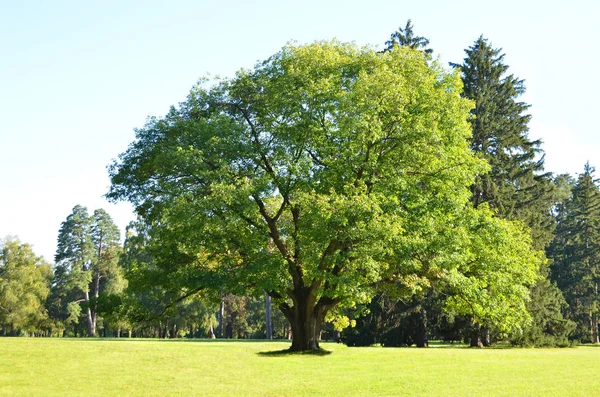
[{"x": 288, "y": 352}]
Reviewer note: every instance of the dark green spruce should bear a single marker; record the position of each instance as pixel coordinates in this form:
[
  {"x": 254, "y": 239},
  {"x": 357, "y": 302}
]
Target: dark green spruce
[
  {"x": 516, "y": 187},
  {"x": 405, "y": 37},
  {"x": 575, "y": 252}
]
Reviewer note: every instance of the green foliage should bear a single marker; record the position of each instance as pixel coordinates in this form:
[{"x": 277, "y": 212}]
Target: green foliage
[
  {"x": 548, "y": 328},
  {"x": 24, "y": 287},
  {"x": 87, "y": 256},
  {"x": 404, "y": 37},
  {"x": 492, "y": 283},
  {"x": 516, "y": 186},
  {"x": 75, "y": 250},
  {"x": 576, "y": 254},
  {"x": 322, "y": 173},
  {"x": 158, "y": 300}
]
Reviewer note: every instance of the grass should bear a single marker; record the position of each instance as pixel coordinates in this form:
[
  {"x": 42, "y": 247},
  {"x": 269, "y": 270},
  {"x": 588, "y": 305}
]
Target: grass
[{"x": 76, "y": 367}]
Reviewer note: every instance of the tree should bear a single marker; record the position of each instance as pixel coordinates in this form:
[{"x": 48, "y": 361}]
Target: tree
[
  {"x": 87, "y": 262},
  {"x": 406, "y": 38},
  {"x": 576, "y": 254},
  {"x": 355, "y": 164},
  {"x": 24, "y": 287},
  {"x": 107, "y": 275},
  {"x": 516, "y": 187}
]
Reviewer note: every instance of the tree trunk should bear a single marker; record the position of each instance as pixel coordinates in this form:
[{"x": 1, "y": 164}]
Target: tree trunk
[
  {"x": 90, "y": 318},
  {"x": 221, "y": 315},
  {"x": 487, "y": 338},
  {"x": 476, "y": 336},
  {"x": 422, "y": 340},
  {"x": 594, "y": 327},
  {"x": 336, "y": 335},
  {"x": 268, "y": 316},
  {"x": 594, "y": 319},
  {"x": 305, "y": 320}
]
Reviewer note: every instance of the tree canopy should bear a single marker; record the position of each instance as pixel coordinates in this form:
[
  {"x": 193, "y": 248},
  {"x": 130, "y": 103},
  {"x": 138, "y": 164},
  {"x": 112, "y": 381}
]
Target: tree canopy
[
  {"x": 24, "y": 287},
  {"x": 86, "y": 258}
]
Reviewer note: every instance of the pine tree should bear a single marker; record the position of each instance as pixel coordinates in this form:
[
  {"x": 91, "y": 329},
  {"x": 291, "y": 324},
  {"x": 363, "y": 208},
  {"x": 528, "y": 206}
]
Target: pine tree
[
  {"x": 576, "y": 254},
  {"x": 86, "y": 263},
  {"x": 516, "y": 186},
  {"x": 405, "y": 37}
]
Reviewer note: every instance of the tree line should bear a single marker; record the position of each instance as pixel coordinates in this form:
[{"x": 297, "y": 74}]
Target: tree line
[{"x": 373, "y": 197}]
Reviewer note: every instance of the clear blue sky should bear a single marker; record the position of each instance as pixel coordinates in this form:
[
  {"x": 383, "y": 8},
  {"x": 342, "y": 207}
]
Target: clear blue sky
[{"x": 77, "y": 77}]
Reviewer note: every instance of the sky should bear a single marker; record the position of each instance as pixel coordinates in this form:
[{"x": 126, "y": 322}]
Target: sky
[{"x": 77, "y": 77}]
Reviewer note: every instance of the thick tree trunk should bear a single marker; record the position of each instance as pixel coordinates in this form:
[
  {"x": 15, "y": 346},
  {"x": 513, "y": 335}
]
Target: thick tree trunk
[
  {"x": 90, "y": 318},
  {"x": 268, "y": 316},
  {"x": 305, "y": 320},
  {"x": 476, "y": 336}
]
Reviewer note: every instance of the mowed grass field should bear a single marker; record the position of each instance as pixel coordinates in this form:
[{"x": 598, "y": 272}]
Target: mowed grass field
[{"x": 133, "y": 367}]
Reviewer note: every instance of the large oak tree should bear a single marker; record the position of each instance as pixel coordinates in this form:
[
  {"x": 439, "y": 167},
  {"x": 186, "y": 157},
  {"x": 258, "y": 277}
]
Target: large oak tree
[{"x": 317, "y": 176}]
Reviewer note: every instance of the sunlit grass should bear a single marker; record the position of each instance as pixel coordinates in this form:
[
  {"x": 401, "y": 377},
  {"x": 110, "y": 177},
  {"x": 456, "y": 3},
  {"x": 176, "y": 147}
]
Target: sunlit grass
[{"x": 76, "y": 367}]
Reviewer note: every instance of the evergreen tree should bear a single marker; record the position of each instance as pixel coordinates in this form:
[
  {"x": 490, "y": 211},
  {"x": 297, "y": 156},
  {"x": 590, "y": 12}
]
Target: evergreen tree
[
  {"x": 405, "y": 37},
  {"x": 107, "y": 275},
  {"x": 576, "y": 254},
  {"x": 86, "y": 263},
  {"x": 516, "y": 187}
]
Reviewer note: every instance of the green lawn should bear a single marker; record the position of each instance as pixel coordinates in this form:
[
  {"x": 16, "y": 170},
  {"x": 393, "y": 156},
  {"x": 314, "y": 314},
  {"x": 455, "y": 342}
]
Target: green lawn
[{"x": 78, "y": 367}]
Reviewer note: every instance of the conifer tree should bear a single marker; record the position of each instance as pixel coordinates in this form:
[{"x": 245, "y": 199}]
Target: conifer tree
[
  {"x": 86, "y": 262},
  {"x": 516, "y": 187},
  {"x": 405, "y": 37},
  {"x": 576, "y": 254}
]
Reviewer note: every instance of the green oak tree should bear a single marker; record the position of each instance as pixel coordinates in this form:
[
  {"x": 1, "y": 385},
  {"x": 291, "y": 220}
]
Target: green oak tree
[
  {"x": 24, "y": 287},
  {"x": 354, "y": 164}
]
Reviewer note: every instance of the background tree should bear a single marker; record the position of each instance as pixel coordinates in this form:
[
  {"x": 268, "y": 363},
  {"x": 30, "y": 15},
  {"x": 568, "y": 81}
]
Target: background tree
[
  {"x": 405, "y": 37},
  {"x": 516, "y": 187},
  {"x": 576, "y": 254},
  {"x": 107, "y": 275},
  {"x": 24, "y": 287},
  {"x": 73, "y": 261},
  {"x": 86, "y": 262}
]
